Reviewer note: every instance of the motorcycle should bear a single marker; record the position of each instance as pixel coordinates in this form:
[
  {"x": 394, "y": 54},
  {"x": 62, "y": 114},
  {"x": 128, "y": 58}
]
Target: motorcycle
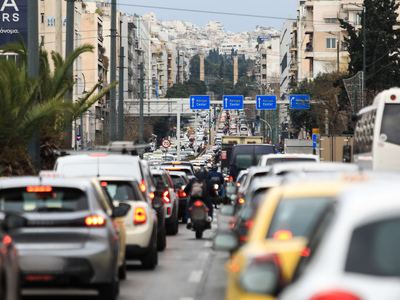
[
  {"x": 218, "y": 198},
  {"x": 199, "y": 217}
]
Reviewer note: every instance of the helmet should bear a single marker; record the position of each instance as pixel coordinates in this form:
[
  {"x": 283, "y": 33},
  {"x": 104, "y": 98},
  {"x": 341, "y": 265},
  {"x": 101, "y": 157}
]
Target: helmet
[
  {"x": 214, "y": 167},
  {"x": 202, "y": 174}
]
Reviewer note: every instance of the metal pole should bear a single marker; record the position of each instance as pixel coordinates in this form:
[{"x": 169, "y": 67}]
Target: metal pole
[
  {"x": 81, "y": 132},
  {"x": 178, "y": 135},
  {"x": 59, "y": 30},
  {"x": 33, "y": 71},
  {"x": 113, "y": 68},
  {"x": 121, "y": 96},
  {"x": 95, "y": 129},
  {"x": 141, "y": 105},
  {"x": 69, "y": 47},
  {"x": 364, "y": 56},
  {"x": 337, "y": 45},
  {"x": 195, "y": 133}
]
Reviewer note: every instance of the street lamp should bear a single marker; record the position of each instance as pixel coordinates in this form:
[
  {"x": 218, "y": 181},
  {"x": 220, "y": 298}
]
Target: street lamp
[
  {"x": 268, "y": 126},
  {"x": 364, "y": 48},
  {"x": 337, "y": 47}
]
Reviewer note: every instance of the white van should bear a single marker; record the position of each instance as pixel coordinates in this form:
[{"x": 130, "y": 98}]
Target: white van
[{"x": 270, "y": 159}]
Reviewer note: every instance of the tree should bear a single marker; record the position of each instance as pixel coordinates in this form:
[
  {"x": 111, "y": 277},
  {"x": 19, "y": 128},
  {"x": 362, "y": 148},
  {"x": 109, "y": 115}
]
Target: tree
[
  {"x": 178, "y": 90},
  {"x": 31, "y": 104},
  {"x": 382, "y": 45}
]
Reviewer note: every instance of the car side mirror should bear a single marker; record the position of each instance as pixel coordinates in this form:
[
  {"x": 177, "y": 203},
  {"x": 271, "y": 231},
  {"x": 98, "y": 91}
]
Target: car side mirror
[
  {"x": 231, "y": 189},
  {"x": 260, "y": 279},
  {"x": 121, "y": 210},
  {"x": 225, "y": 241},
  {"x": 246, "y": 214},
  {"x": 346, "y": 154},
  {"x": 227, "y": 210}
]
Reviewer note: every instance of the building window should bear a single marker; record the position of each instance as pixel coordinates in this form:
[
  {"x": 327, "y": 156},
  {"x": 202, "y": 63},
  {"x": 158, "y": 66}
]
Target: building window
[
  {"x": 331, "y": 43},
  {"x": 42, "y": 40},
  {"x": 357, "y": 18},
  {"x": 330, "y": 20},
  {"x": 42, "y": 18}
]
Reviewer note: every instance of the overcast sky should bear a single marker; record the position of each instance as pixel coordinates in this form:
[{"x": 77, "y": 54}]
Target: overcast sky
[{"x": 273, "y": 12}]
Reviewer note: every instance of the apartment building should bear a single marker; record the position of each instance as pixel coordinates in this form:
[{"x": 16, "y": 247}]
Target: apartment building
[{"x": 288, "y": 57}]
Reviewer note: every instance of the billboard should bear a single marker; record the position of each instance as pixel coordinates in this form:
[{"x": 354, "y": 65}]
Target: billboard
[{"x": 13, "y": 20}]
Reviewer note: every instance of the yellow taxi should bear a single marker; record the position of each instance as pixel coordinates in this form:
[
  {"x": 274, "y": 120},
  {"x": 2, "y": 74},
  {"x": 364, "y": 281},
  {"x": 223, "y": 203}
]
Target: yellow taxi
[{"x": 277, "y": 238}]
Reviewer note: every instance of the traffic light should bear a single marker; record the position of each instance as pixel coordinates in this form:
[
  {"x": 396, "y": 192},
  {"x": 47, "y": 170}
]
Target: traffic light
[{"x": 258, "y": 118}]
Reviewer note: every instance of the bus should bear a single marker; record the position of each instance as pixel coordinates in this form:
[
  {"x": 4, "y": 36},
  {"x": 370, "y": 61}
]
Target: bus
[{"x": 377, "y": 133}]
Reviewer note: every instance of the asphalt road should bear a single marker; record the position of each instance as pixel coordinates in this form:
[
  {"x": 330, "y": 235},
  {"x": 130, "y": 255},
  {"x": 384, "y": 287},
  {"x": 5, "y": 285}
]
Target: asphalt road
[{"x": 189, "y": 269}]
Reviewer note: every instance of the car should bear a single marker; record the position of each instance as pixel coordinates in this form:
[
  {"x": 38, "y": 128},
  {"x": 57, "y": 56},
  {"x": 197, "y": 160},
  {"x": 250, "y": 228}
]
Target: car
[
  {"x": 353, "y": 254},
  {"x": 66, "y": 236},
  {"x": 247, "y": 155},
  {"x": 186, "y": 167},
  {"x": 244, "y": 130},
  {"x": 165, "y": 186},
  {"x": 288, "y": 213},
  {"x": 180, "y": 181},
  {"x": 140, "y": 222},
  {"x": 270, "y": 159}
]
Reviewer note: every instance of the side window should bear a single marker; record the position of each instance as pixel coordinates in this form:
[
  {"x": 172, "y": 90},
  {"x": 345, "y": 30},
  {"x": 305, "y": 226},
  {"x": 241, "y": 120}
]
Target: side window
[
  {"x": 103, "y": 202},
  {"x": 169, "y": 181}
]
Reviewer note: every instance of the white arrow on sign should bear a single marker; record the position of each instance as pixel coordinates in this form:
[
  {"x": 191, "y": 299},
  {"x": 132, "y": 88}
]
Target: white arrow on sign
[
  {"x": 226, "y": 102},
  {"x": 259, "y": 102},
  {"x": 192, "y": 102}
]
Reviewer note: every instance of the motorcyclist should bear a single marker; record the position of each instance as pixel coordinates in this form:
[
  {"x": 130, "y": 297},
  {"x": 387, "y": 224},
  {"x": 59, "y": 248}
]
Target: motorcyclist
[
  {"x": 215, "y": 174},
  {"x": 202, "y": 174}
]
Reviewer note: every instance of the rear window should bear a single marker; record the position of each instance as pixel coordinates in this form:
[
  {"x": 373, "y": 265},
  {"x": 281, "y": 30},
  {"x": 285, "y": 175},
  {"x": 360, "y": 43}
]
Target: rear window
[
  {"x": 271, "y": 161},
  {"x": 375, "y": 249},
  {"x": 390, "y": 119},
  {"x": 243, "y": 161},
  {"x": 176, "y": 180},
  {"x": 57, "y": 200},
  {"x": 297, "y": 216},
  {"x": 122, "y": 190},
  {"x": 103, "y": 169}
]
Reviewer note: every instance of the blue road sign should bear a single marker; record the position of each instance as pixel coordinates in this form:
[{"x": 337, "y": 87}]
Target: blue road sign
[
  {"x": 266, "y": 102},
  {"x": 200, "y": 102},
  {"x": 299, "y": 101},
  {"x": 314, "y": 138},
  {"x": 233, "y": 102}
]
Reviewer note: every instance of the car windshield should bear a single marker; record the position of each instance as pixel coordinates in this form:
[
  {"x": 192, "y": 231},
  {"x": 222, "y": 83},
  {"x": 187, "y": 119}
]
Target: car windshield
[
  {"x": 375, "y": 249},
  {"x": 297, "y": 216},
  {"x": 271, "y": 161},
  {"x": 102, "y": 169},
  {"x": 50, "y": 199}
]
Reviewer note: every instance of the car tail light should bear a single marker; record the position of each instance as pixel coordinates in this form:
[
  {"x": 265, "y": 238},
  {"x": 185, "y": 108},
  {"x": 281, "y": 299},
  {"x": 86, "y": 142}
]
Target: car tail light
[
  {"x": 182, "y": 193},
  {"x": 95, "y": 220},
  {"x": 198, "y": 204},
  {"x": 241, "y": 201},
  {"x": 7, "y": 240},
  {"x": 38, "y": 277},
  {"x": 230, "y": 178},
  {"x": 151, "y": 196},
  {"x": 249, "y": 223},
  {"x": 335, "y": 295},
  {"x": 216, "y": 186},
  {"x": 283, "y": 235},
  {"x": 97, "y": 155},
  {"x": 305, "y": 252},
  {"x": 143, "y": 186},
  {"x": 238, "y": 184},
  {"x": 166, "y": 197},
  {"x": 104, "y": 183},
  {"x": 168, "y": 210},
  {"x": 39, "y": 188},
  {"x": 243, "y": 238},
  {"x": 140, "y": 216}
]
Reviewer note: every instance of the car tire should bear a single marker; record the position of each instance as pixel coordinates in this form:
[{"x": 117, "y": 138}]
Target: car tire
[
  {"x": 109, "y": 291},
  {"x": 162, "y": 240},
  {"x": 122, "y": 271},
  {"x": 172, "y": 228},
  {"x": 150, "y": 259}
]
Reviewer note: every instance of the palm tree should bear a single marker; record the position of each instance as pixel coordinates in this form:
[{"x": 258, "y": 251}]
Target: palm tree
[{"x": 29, "y": 104}]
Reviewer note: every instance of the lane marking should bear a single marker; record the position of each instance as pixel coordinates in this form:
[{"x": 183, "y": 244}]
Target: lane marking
[
  {"x": 208, "y": 244},
  {"x": 195, "y": 276},
  {"x": 204, "y": 255}
]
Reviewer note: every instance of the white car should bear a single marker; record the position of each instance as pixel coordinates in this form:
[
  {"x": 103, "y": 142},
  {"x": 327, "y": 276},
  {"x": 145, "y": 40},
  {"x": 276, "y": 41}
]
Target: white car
[
  {"x": 355, "y": 252},
  {"x": 244, "y": 131}
]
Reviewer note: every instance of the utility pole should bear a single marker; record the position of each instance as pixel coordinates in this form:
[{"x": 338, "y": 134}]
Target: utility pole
[
  {"x": 113, "y": 68},
  {"x": 141, "y": 105},
  {"x": 33, "y": 71},
  {"x": 121, "y": 96},
  {"x": 69, "y": 47}
]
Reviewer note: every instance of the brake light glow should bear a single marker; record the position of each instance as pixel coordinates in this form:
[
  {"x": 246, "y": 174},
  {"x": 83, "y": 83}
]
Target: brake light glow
[
  {"x": 143, "y": 186},
  {"x": 283, "y": 235},
  {"x": 182, "y": 193},
  {"x": 7, "y": 240},
  {"x": 151, "y": 195},
  {"x": 176, "y": 162},
  {"x": 305, "y": 252},
  {"x": 230, "y": 178},
  {"x": 243, "y": 238},
  {"x": 104, "y": 183},
  {"x": 238, "y": 184},
  {"x": 166, "y": 197},
  {"x": 393, "y": 97},
  {"x": 39, "y": 188},
  {"x": 335, "y": 295},
  {"x": 94, "y": 220},
  {"x": 198, "y": 204},
  {"x": 38, "y": 277},
  {"x": 140, "y": 216},
  {"x": 241, "y": 200},
  {"x": 98, "y": 155},
  {"x": 249, "y": 223}
]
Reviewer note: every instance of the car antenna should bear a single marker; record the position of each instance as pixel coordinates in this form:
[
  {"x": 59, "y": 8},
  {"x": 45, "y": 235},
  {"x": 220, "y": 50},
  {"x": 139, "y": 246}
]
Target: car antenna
[{"x": 98, "y": 166}]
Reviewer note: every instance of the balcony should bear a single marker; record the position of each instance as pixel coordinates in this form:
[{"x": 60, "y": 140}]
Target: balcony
[
  {"x": 130, "y": 71},
  {"x": 293, "y": 67},
  {"x": 100, "y": 37},
  {"x": 293, "y": 47},
  {"x": 130, "y": 55},
  {"x": 130, "y": 40},
  {"x": 309, "y": 29}
]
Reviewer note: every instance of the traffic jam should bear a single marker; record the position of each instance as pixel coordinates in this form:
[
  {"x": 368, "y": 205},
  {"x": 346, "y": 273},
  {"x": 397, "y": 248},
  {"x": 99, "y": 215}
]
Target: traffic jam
[{"x": 259, "y": 221}]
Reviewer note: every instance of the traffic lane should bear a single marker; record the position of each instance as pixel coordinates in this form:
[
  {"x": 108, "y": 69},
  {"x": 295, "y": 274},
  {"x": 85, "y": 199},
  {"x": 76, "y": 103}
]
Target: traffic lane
[{"x": 188, "y": 270}]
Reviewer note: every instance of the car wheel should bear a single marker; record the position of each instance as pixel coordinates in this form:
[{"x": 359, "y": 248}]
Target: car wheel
[
  {"x": 162, "y": 240},
  {"x": 109, "y": 291},
  {"x": 122, "y": 271},
  {"x": 150, "y": 259}
]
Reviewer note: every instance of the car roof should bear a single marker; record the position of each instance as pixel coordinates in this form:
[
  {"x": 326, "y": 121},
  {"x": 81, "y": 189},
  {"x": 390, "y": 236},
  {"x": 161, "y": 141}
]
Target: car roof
[
  {"x": 23, "y": 181},
  {"x": 312, "y": 167}
]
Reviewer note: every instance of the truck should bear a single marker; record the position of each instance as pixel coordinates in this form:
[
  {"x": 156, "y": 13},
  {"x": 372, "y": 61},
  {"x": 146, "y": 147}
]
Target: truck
[
  {"x": 298, "y": 146},
  {"x": 228, "y": 141},
  {"x": 335, "y": 147}
]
